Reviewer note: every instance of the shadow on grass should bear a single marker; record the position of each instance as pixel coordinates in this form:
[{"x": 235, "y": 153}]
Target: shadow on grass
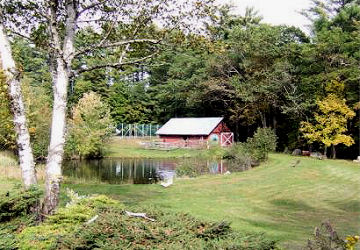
[
  {"x": 291, "y": 218},
  {"x": 281, "y": 232},
  {"x": 291, "y": 204},
  {"x": 348, "y": 206}
]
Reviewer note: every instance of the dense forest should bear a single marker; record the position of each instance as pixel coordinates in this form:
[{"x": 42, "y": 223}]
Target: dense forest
[{"x": 304, "y": 86}]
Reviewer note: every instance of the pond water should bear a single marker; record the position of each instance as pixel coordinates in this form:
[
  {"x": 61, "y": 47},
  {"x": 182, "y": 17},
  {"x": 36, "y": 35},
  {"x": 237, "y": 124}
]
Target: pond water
[{"x": 144, "y": 171}]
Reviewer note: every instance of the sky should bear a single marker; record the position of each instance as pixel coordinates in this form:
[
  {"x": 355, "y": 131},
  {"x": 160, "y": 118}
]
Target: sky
[{"x": 275, "y": 11}]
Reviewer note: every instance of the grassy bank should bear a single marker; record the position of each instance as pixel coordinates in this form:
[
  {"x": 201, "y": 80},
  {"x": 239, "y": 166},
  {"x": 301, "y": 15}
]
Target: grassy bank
[
  {"x": 132, "y": 148},
  {"x": 275, "y": 198}
]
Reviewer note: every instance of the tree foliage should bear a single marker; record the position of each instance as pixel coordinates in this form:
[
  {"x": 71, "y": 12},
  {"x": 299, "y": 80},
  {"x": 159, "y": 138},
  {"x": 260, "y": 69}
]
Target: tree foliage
[
  {"x": 7, "y": 133},
  {"x": 89, "y": 127},
  {"x": 263, "y": 142},
  {"x": 330, "y": 124},
  {"x": 38, "y": 113}
]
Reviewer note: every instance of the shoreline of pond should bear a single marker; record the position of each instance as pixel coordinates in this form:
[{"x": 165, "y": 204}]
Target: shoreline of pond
[{"x": 144, "y": 170}]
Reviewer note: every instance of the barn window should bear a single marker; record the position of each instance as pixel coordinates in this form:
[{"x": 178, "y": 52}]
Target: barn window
[{"x": 214, "y": 137}]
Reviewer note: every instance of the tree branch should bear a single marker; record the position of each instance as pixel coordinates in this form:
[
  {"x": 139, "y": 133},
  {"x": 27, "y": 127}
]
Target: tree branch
[
  {"x": 22, "y": 35},
  {"x": 117, "y": 44},
  {"x": 115, "y": 65},
  {"x": 90, "y": 7}
]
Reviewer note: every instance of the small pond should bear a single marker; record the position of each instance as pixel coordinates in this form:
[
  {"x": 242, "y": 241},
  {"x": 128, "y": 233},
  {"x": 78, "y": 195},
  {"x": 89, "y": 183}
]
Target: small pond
[{"x": 143, "y": 171}]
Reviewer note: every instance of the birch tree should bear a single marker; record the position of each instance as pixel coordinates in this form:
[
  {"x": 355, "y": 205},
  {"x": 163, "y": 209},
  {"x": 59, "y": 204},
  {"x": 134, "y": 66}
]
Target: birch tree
[
  {"x": 17, "y": 107},
  {"x": 53, "y": 25}
]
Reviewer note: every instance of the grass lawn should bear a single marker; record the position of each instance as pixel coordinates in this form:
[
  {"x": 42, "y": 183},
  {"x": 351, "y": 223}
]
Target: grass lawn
[
  {"x": 132, "y": 148},
  {"x": 283, "y": 201}
]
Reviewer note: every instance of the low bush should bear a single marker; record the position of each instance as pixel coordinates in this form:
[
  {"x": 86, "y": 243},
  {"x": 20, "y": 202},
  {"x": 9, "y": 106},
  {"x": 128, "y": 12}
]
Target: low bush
[
  {"x": 254, "y": 150},
  {"x": 214, "y": 152},
  {"x": 16, "y": 213},
  {"x": 64, "y": 222},
  {"x": 18, "y": 202},
  {"x": 113, "y": 229},
  {"x": 241, "y": 153},
  {"x": 9, "y": 230},
  {"x": 190, "y": 169}
]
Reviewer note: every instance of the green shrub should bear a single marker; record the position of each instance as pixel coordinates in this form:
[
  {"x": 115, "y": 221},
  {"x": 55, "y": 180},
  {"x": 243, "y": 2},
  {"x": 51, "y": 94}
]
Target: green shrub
[
  {"x": 18, "y": 202},
  {"x": 113, "y": 229},
  {"x": 64, "y": 222},
  {"x": 262, "y": 143},
  {"x": 255, "y": 149},
  {"x": 190, "y": 169},
  {"x": 38, "y": 112},
  {"x": 241, "y": 153},
  {"x": 214, "y": 152},
  {"x": 16, "y": 213},
  {"x": 187, "y": 170},
  {"x": 8, "y": 230}
]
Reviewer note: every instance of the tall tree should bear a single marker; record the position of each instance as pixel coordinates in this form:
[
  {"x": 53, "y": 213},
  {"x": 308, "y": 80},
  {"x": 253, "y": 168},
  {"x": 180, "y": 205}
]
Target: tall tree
[
  {"x": 26, "y": 157},
  {"x": 330, "y": 123},
  {"x": 334, "y": 54}
]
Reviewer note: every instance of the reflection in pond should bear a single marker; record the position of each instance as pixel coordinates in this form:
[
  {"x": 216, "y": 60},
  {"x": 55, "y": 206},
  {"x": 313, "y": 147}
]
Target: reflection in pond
[{"x": 143, "y": 171}]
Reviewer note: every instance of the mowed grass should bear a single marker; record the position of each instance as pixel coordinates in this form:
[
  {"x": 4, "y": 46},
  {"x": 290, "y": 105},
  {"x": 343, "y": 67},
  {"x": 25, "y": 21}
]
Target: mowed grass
[
  {"x": 133, "y": 148},
  {"x": 283, "y": 201}
]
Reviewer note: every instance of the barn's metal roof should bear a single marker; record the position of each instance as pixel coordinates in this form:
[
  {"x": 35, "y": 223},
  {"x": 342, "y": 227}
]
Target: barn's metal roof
[{"x": 189, "y": 126}]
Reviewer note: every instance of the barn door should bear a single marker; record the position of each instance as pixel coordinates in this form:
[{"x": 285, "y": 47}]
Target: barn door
[{"x": 226, "y": 139}]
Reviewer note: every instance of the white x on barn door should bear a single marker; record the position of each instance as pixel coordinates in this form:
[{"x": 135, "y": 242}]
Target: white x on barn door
[{"x": 226, "y": 139}]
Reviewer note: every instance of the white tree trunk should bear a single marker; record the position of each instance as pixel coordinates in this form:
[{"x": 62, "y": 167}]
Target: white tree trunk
[
  {"x": 57, "y": 139},
  {"x": 60, "y": 79},
  {"x": 26, "y": 157}
]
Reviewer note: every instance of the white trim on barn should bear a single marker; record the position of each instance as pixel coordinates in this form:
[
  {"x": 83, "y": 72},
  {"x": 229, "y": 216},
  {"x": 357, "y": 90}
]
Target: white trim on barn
[{"x": 226, "y": 139}]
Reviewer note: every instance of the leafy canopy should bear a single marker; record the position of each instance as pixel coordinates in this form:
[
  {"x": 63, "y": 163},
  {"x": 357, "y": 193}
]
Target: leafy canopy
[
  {"x": 89, "y": 127},
  {"x": 330, "y": 123}
]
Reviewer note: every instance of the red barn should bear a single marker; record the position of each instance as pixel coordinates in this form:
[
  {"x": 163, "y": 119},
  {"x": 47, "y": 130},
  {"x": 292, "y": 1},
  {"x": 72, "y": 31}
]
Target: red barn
[{"x": 192, "y": 131}]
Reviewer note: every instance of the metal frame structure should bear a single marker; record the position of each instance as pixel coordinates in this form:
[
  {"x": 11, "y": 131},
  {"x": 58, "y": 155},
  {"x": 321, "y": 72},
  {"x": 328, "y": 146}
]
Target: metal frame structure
[{"x": 136, "y": 130}]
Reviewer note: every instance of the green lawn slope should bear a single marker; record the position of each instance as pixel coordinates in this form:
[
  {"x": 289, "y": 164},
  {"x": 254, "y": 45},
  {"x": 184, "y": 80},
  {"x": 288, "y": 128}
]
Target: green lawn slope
[{"x": 285, "y": 202}]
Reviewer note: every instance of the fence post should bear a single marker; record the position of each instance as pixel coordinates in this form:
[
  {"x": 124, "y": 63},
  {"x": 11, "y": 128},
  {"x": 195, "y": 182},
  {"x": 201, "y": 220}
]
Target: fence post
[
  {"x": 122, "y": 130},
  {"x": 150, "y": 131}
]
